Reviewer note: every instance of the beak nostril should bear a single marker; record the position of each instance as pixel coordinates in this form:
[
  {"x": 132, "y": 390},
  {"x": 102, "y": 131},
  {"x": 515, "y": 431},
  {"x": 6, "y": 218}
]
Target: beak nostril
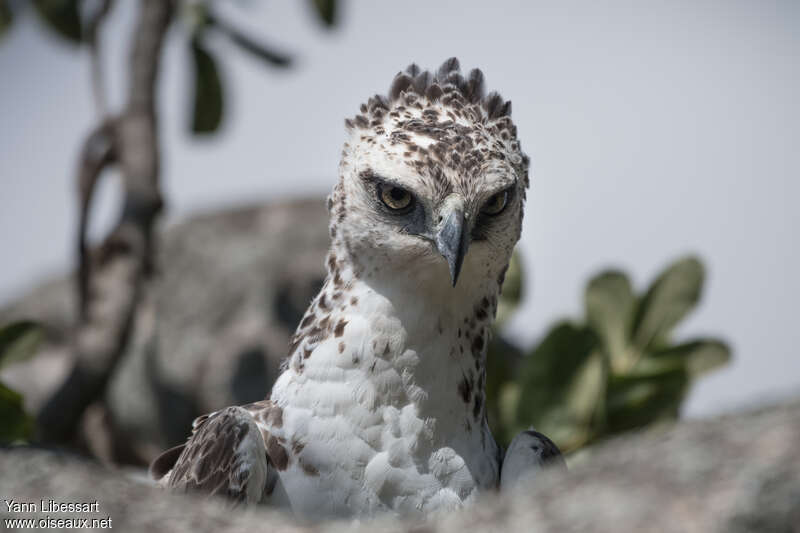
[{"x": 440, "y": 219}]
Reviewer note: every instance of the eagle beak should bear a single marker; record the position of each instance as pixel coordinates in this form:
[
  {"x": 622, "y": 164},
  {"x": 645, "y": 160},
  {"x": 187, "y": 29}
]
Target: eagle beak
[{"x": 452, "y": 240}]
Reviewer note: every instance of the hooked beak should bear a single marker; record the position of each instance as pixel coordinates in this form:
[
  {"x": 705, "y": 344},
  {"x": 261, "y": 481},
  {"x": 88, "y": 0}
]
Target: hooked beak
[{"x": 452, "y": 240}]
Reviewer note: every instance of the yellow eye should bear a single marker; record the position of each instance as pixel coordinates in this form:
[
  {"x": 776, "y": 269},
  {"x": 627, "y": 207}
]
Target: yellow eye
[
  {"x": 495, "y": 204},
  {"x": 395, "y": 198}
]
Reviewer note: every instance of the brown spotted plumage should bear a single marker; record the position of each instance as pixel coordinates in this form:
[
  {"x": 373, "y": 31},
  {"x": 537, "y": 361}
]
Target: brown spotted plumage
[{"x": 217, "y": 458}]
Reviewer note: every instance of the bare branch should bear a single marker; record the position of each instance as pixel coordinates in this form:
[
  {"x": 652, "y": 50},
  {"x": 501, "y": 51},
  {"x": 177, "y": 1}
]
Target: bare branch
[
  {"x": 114, "y": 277},
  {"x": 92, "y": 31},
  {"x": 154, "y": 17},
  {"x": 98, "y": 152}
]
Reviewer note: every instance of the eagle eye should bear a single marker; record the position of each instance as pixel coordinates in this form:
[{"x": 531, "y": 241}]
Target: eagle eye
[
  {"x": 495, "y": 204},
  {"x": 397, "y": 199}
]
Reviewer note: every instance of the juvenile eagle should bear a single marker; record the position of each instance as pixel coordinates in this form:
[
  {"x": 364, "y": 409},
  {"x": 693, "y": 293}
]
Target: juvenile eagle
[{"x": 381, "y": 406}]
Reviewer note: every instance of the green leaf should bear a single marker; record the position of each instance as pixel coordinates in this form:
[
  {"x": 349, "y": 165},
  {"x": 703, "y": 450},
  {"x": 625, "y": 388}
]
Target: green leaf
[
  {"x": 15, "y": 425},
  {"x": 18, "y": 341},
  {"x": 670, "y": 298},
  {"x": 6, "y": 17},
  {"x": 208, "y": 101},
  {"x": 63, "y": 16},
  {"x": 697, "y": 357},
  {"x": 326, "y": 10},
  {"x": 636, "y": 401},
  {"x": 563, "y": 385},
  {"x": 610, "y": 304},
  {"x": 511, "y": 293}
]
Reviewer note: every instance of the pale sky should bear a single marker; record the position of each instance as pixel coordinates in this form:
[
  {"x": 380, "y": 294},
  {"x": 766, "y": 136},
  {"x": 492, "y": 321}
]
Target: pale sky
[{"x": 655, "y": 129}]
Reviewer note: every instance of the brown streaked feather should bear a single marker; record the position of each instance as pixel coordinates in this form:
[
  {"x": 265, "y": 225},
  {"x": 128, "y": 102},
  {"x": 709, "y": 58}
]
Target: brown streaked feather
[
  {"x": 213, "y": 460},
  {"x": 401, "y": 83},
  {"x": 450, "y": 65},
  {"x": 162, "y": 464}
]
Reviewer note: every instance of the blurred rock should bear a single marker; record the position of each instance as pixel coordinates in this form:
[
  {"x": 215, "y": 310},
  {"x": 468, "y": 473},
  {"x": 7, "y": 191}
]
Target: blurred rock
[
  {"x": 230, "y": 290},
  {"x": 734, "y": 474}
]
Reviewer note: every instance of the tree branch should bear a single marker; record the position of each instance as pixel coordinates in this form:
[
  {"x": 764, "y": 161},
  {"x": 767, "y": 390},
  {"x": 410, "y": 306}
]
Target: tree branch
[
  {"x": 97, "y": 153},
  {"x": 117, "y": 274},
  {"x": 92, "y": 30}
]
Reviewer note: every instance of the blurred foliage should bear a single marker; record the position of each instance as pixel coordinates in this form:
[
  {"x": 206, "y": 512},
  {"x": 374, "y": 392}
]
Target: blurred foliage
[
  {"x": 207, "y": 101},
  {"x": 6, "y": 16},
  {"x": 208, "y": 88},
  {"x": 62, "y": 16},
  {"x": 618, "y": 370},
  {"x": 326, "y": 9},
  {"x": 65, "y": 18},
  {"x": 18, "y": 341}
]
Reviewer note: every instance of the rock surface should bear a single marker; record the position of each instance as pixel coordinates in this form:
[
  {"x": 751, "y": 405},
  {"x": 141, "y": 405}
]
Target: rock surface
[{"x": 737, "y": 473}]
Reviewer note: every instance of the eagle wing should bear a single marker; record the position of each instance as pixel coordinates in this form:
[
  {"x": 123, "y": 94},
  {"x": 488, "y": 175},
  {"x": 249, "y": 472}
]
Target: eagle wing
[{"x": 225, "y": 455}]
